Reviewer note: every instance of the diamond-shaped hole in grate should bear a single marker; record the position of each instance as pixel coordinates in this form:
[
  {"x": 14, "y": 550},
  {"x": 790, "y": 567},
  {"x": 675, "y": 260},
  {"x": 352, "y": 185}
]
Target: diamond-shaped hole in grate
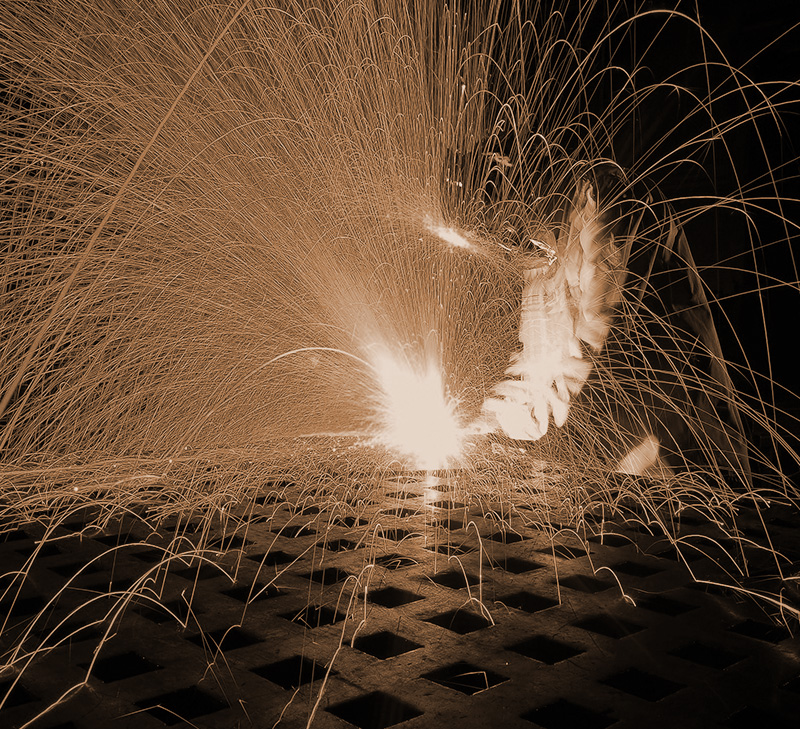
[
  {"x": 181, "y": 705},
  {"x": 392, "y": 597},
  {"x": 72, "y": 569},
  {"x": 664, "y": 605},
  {"x": 18, "y": 696},
  {"x": 563, "y": 551},
  {"x": 259, "y": 591},
  {"x": 402, "y": 512},
  {"x": 314, "y": 616},
  {"x": 642, "y": 684},
  {"x": 274, "y": 497},
  {"x": 385, "y": 644},
  {"x": 465, "y": 677},
  {"x": 357, "y": 502},
  {"x": 294, "y": 531},
  {"x": 81, "y": 520},
  {"x": 611, "y": 540},
  {"x": 401, "y": 495},
  {"x": 515, "y": 565},
  {"x": 393, "y": 535},
  {"x": 409, "y": 477},
  {"x": 25, "y": 606},
  {"x": 44, "y": 550},
  {"x": 291, "y": 673},
  {"x": 151, "y": 555},
  {"x": 395, "y": 561},
  {"x": 685, "y": 555},
  {"x": 442, "y": 504},
  {"x": 608, "y": 626},
  {"x": 453, "y": 549},
  {"x": 263, "y": 519},
  {"x": 707, "y": 655},
  {"x": 459, "y": 621},
  {"x": 168, "y": 611},
  {"x": 122, "y": 666},
  {"x": 202, "y": 571},
  {"x": 230, "y": 639},
  {"x": 636, "y": 569},
  {"x": 234, "y": 541},
  {"x": 116, "y": 582},
  {"x": 305, "y": 511},
  {"x": 711, "y": 589},
  {"x": 272, "y": 558},
  {"x": 528, "y": 601},
  {"x": 693, "y": 521},
  {"x": 118, "y": 540},
  {"x": 328, "y": 576},
  {"x": 545, "y": 650},
  {"x": 348, "y": 521},
  {"x": 455, "y": 579},
  {"x": 72, "y": 631},
  {"x": 506, "y": 537},
  {"x": 563, "y": 714},
  {"x": 341, "y": 545},
  {"x": 376, "y": 710},
  {"x": 15, "y": 535},
  {"x": 450, "y": 524},
  {"x": 584, "y": 583},
  {"x": 761, "y": 631}
]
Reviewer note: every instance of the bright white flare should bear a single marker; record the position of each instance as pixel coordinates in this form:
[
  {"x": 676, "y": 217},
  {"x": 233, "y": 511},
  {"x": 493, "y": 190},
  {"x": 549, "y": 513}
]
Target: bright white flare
[
  {"x": 448, "y": 234},
  {"x": 419, "y": 417}
]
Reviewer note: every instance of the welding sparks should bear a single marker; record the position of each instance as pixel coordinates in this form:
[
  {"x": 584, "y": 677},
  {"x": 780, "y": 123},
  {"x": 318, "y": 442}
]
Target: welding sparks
[
  {"x": 419, "y": 417},
  {"x": 230, "y": 235},
  {"x": 449, "y": 235}
]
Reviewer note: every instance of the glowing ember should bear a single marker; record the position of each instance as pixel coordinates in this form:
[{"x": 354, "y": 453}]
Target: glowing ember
[{"x": 418, "y": 417}]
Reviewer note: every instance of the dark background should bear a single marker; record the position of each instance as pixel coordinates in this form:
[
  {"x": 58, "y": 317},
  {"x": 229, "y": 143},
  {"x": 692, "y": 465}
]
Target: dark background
[
  {"x": 758, "y": 316},
  {"x": 762, "y": 39},
  {"x": 749, "y": 263}
]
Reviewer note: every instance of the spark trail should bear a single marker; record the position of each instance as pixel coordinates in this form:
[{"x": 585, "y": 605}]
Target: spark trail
[
  {"x": 228, "y": 225},
  {"x": 225, "y": 226}
]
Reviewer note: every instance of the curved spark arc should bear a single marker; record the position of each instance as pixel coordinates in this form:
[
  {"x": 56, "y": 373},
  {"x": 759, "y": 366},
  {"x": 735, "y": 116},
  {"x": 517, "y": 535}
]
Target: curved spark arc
[{"x": 374, "y": 172}]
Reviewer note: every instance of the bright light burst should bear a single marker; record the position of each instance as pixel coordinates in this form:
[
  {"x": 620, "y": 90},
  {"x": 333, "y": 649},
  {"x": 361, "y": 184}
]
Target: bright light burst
[
  {"x": 419, "y": 419},
  {"x": 448, "y": 234}
]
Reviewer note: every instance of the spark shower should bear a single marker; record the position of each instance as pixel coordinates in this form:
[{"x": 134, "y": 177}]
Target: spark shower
[{"x": 229, "y": 225}]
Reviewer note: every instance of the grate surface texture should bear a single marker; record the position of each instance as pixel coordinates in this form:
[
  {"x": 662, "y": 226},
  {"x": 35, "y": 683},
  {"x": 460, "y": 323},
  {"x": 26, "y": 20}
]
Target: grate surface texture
[{"x": 418, "y": 622}]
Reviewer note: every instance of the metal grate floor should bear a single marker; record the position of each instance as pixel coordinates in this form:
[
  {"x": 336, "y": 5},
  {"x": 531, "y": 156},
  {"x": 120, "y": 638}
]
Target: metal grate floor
[{"x": 396, "y": 609}]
